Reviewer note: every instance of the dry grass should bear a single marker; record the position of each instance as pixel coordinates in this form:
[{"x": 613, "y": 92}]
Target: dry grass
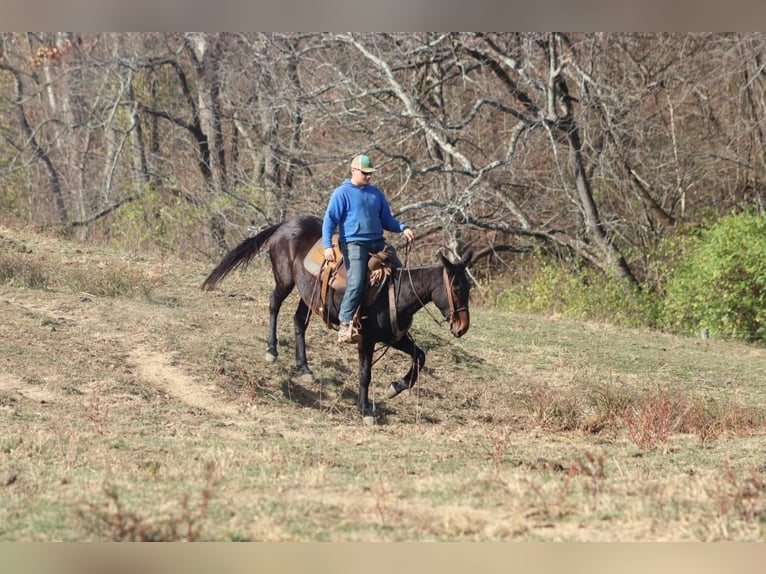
[{"x": 133, "y": 406}]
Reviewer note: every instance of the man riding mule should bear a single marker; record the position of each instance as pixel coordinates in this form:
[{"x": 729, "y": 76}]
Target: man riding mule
[{"x": 359, "y": 212}]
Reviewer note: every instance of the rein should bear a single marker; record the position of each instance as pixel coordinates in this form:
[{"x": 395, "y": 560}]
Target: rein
[
  {"x": 394, "y": 297},
  {"x": 450, "y": 299},
  {"x": 317, "y": 288}
]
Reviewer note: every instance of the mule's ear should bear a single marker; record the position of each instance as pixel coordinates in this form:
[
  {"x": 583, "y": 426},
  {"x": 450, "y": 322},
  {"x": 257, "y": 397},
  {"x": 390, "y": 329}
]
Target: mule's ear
[
  {"x": 467, "y": 257},
  {"x": 465, "y": 260}
]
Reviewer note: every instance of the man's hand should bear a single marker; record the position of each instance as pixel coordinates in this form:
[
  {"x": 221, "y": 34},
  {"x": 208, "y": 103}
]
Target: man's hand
[
  {"x": 329, "y": 254},
  {"x": 409, "y": 234}
]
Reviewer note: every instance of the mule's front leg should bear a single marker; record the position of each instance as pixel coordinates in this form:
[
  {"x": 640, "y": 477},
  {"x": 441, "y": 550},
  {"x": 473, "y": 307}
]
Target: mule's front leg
[
  {"x": 365, "y": 376},
  {"x": 407, "y": 346}
]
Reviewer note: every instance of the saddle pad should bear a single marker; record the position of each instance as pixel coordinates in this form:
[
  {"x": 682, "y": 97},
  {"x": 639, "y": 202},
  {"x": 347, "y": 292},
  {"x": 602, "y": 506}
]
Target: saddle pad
[{"x": 315, "y": 258}]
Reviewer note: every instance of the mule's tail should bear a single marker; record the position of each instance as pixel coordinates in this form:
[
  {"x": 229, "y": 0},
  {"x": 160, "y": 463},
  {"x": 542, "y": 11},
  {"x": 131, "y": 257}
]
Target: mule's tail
[{"x": 239, "y": 257}]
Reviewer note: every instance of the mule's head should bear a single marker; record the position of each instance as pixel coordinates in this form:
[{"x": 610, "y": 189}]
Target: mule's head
[{"x": 457, "y": 286}]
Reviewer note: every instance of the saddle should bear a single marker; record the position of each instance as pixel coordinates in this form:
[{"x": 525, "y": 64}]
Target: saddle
[{"x": 332, "y": 276}]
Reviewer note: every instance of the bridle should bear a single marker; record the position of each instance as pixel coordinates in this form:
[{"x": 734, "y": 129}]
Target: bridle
[{"x": 451, "y": 299}]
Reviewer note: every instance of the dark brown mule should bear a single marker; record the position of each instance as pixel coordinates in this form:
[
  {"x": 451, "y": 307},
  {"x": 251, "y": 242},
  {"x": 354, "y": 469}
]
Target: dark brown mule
[{"x": 446, "y": 285}]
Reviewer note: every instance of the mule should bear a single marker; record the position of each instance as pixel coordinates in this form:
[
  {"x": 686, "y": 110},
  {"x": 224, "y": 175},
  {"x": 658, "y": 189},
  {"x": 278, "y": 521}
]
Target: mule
[{"x": 446, "y": 284}]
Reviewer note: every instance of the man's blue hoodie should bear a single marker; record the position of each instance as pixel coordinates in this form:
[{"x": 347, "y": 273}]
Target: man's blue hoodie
[{"x": 359, "y": 213}]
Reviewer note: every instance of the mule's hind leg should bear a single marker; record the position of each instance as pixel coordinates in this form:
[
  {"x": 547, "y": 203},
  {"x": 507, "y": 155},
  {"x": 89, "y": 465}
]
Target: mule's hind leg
[
  {"x": 407, "y": 346},
  {"x": 277, "y": 297},
  {"x": 300, "y": 320}
]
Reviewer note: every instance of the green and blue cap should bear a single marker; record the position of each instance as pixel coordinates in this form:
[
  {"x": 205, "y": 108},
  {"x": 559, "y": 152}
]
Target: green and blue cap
[{"x": 363, "y": 163}]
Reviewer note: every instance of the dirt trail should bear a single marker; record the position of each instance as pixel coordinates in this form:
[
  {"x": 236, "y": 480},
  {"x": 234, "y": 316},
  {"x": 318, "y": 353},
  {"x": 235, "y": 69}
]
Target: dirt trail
[
  {"x": 105, "y": 331},
  {"x": 158, "y": 370},
  {"x": 13, "y": 384}
]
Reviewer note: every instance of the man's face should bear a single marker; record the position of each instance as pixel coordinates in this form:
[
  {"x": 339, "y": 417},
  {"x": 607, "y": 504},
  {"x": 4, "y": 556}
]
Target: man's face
[{"x": 358, "y": 177}]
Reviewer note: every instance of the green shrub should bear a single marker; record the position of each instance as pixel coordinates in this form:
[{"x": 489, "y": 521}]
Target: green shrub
[
  {"x": 719, "y": 285},
  {"x": 158, "y": 219},
  {"x": 585, "y": 294},
  {"x": 167, "y": 220}
]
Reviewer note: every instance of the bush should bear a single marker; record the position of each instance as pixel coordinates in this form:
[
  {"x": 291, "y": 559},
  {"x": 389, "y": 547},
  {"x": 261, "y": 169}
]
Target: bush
[
  {"x": 719, "y": 285},
  {"x": 586, "y": 294},
  {"x": 158, "y": 219}
]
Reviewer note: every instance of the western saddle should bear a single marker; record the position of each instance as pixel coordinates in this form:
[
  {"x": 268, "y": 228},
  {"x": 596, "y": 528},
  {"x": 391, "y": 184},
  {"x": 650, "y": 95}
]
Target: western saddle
[{"x": 332, "y": 276}]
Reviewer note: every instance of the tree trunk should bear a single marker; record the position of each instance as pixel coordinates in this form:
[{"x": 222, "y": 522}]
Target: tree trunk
[{"x": 34, "y": 146}]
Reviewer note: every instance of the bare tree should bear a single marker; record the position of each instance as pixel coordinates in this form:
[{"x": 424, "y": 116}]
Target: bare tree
[{"x": 593, "y": 147}]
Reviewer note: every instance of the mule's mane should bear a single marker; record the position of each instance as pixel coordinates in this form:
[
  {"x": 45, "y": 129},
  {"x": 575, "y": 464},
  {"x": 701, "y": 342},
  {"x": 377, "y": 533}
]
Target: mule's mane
[
  {"x": 423, "y": 267},
  {"x": 405, "y": 270}
]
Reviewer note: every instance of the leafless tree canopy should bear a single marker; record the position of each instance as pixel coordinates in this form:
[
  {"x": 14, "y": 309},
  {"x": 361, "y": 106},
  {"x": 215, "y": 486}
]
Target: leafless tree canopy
[{"x": 592, "y": 146}]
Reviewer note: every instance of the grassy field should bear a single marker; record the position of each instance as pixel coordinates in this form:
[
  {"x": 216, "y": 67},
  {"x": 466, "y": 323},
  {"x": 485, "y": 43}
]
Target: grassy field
[{"x": 134, "y": 406}]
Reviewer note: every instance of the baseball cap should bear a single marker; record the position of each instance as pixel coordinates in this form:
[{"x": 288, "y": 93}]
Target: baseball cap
[{"x": 363, "y": 163}]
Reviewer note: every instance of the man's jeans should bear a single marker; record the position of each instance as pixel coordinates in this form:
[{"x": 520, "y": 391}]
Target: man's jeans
[{"x": 355, "y": 257}]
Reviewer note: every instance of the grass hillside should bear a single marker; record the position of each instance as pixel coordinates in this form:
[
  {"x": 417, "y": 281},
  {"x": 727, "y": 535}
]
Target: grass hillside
[{"x": 134, "y": 406}]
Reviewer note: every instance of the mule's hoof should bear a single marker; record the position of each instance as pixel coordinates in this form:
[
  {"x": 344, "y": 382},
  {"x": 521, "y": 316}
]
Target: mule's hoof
[
  {"x": 269, "y": 358},
  {"x": 368, "y": 420},
  {"x": 306, "y": 378},
  {"x": 392, "y": 391}
]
